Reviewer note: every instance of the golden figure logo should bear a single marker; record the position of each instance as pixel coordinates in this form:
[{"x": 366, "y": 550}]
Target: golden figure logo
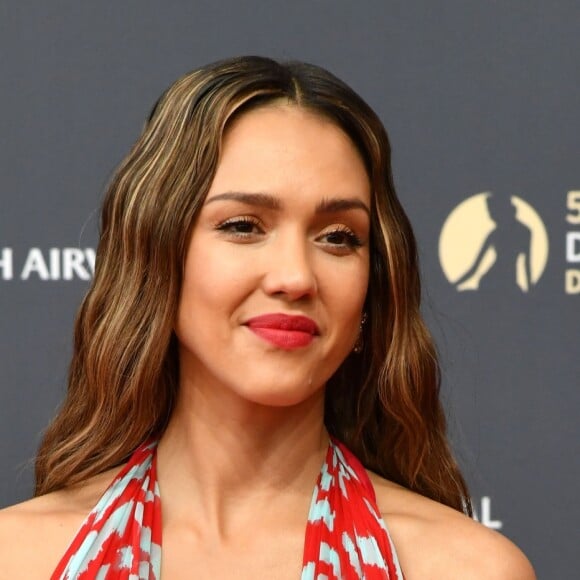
[{"x": 492, "y": 241}]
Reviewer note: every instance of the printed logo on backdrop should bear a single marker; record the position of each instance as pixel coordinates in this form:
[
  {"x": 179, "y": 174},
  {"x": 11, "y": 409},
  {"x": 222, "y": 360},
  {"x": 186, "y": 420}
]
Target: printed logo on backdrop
[
  {"x": 53, "y": 264},
  {"x": 482, "y": 513},
  {"x": 572, "y": 276},
  {"x": 495, "y": 242}
]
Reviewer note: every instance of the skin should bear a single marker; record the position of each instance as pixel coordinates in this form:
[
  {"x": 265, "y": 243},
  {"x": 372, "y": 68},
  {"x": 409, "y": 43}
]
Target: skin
[{"x": 244, "y": 446}]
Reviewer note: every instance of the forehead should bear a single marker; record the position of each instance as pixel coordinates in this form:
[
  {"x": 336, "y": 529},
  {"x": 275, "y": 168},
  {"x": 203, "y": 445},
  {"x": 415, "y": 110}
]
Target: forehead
[{"x": 284, "y": 143}]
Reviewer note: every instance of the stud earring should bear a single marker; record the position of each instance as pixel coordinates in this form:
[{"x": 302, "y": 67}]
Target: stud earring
[{"x": 358, "y": 345}]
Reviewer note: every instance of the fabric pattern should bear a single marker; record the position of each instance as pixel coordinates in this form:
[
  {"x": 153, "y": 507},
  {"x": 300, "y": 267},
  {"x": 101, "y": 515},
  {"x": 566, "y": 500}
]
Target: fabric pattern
[
  {"x": 121, "y": 537},
  {"x": 345, "y": 538}
]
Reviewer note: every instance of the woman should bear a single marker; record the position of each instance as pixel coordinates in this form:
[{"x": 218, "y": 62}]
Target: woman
[{"x": 254, "y": 316}]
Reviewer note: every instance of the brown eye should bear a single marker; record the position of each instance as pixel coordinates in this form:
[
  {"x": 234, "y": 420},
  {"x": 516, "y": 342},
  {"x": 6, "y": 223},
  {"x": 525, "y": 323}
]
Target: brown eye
[
  {"x": 241, "y": 227},
  {"x": 342, "y": 237}
]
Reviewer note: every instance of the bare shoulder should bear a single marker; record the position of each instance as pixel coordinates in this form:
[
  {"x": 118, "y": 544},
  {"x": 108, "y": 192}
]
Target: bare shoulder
[
  {"x": 35, "y": 534},
  {"x": 434, "y": 541}
]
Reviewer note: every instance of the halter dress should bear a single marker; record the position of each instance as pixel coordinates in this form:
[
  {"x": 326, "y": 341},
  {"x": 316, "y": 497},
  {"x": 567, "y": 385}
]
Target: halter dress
[{"x": 345, "y": 539}]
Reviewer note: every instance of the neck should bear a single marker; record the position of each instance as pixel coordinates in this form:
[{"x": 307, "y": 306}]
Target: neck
[{"x": 223, "y": 459}]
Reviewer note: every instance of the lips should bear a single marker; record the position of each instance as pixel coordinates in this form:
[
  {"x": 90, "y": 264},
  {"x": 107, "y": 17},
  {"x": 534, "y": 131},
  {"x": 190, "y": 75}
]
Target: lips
[{"x": 283, "y": 330}]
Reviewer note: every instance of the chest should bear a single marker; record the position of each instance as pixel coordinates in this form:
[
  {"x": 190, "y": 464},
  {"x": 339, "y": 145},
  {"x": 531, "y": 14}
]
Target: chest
[{"x": 275, "y": 555}]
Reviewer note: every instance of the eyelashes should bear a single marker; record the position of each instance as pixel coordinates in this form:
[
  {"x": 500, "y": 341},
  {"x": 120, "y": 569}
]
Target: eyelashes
[
  {"x": 240, "y": 226},
  {"x": 249, "y": 228},
  {"x": 343, "y": 236}
]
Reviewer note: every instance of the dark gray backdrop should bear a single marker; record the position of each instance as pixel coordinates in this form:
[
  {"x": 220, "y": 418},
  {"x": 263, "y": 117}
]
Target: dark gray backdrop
[{"x": 476, "y": 96}]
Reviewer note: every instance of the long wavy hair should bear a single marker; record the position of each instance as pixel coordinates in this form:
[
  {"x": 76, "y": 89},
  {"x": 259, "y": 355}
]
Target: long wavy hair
[{"x": 123, "y": 379}]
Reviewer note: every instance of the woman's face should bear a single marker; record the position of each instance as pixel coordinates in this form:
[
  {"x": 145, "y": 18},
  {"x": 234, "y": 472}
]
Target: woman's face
[{"x": 278, "y": 263}]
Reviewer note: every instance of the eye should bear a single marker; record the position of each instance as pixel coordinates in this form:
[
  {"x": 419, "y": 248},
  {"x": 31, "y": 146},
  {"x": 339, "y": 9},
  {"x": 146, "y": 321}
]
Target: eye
[
  {"x": 341, "y": 237},
  {"x": 240, "y": 227}
]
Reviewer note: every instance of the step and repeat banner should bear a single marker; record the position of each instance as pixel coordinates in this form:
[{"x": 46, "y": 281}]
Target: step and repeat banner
[{"x": 481, "y": 101}]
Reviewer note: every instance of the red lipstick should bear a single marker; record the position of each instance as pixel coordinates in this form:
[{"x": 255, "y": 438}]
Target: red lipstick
[{"x": 283, "y": 330}]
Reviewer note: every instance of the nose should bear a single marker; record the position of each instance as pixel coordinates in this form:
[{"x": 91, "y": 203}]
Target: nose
[{"x": 289, "y": 273}]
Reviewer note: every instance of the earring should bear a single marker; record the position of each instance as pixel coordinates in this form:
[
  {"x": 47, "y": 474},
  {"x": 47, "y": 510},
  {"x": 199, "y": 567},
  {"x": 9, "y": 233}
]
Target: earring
[{"x": 358, "y": 345}]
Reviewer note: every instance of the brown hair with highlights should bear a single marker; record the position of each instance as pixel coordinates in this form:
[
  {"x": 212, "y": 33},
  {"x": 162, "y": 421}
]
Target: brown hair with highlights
[{"x": 123, "y": 379}]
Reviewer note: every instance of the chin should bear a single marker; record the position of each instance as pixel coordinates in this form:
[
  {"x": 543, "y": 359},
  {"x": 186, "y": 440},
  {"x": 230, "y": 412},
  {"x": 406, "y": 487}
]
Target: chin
[{"x": 282, "y": 396}]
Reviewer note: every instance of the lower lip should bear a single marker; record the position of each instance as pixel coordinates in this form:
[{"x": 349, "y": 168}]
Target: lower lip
[{"x": 287, "y": 339}]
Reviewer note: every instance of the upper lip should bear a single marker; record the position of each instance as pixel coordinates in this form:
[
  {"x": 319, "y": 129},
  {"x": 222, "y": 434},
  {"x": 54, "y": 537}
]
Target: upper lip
[{"x": 281, "y": 321}]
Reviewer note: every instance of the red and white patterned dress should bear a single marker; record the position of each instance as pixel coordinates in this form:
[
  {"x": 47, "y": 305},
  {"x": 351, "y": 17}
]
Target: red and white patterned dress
[{"x": 345, "y": 538}]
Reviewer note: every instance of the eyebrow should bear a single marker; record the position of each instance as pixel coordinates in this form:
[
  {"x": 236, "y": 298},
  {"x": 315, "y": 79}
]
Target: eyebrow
[{"x": 265, "y": 200}]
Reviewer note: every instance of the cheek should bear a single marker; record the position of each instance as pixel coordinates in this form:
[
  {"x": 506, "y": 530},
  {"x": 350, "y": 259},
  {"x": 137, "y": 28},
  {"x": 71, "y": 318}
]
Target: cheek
[
  {"x": 351, "y": 283},
  {"x": 212, "y": 283},
  {"x": 345, "y": 290}
]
